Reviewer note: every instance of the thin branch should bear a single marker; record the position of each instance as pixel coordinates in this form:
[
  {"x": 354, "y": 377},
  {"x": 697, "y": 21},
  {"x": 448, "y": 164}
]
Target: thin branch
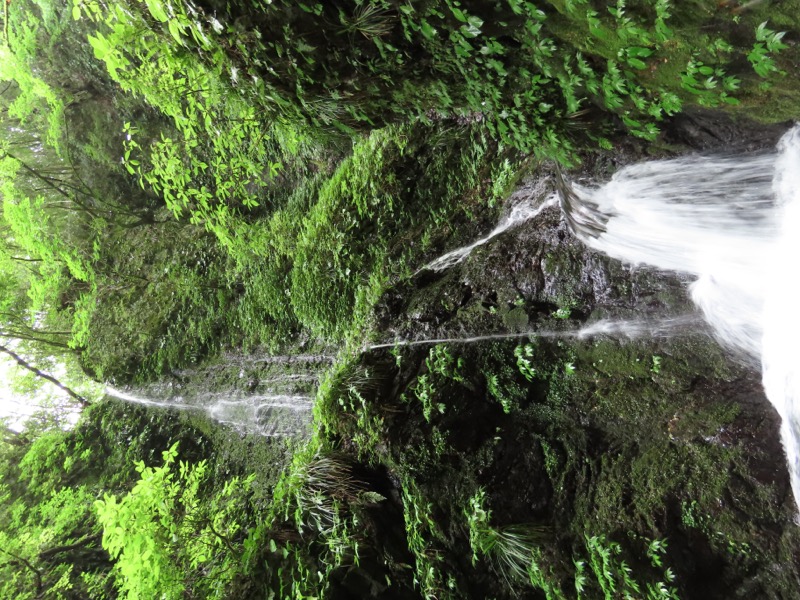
[
  {"x": 18, "y": 335},
  {"x": 17, "y": 321},
  {"x": 225, "y": 539},
  {"x": 25, "y": 365},
  {"x": 27, "y": 563},
  {"x": 83, "y": 543},
  {"x": 49, "y": 184}
]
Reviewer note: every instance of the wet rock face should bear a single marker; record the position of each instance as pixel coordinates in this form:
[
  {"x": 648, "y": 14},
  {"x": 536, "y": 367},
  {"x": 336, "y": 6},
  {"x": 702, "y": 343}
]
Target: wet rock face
[
  {"x": 710, "y": 131},
  {"x": 668, "y": 437},
  {"x": 541, "y": 263},
  {"x": 526, "y": 275}
]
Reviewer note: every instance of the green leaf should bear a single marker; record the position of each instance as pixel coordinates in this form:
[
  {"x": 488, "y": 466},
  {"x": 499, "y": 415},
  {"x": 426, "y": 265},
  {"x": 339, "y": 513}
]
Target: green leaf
[
  {"x": 639, "y": 52},
  {"x": 176, "y": 30},
  {"x": 458, "y": 14},
  {"x": 636, "y": 63},
  {"x": 427, "y": 30},
  {"x": 156, "y": 9}
]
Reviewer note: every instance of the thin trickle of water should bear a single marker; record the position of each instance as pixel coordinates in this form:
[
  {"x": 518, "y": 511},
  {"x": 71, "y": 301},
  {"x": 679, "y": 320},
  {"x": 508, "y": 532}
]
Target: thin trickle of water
[
  {"x": 465, "y": 340},
  {"x": 290, "y": 359},
  {"x": 734, "y": 223},
  {"x": 233, "y": 360},
  {"x": 631, "y": 329},
  {"x": 519, "y": 213},
  {"x": 297, "y": 377},
  {"x": 639, "y": 328},
  {"x": 176, "y": 403}
]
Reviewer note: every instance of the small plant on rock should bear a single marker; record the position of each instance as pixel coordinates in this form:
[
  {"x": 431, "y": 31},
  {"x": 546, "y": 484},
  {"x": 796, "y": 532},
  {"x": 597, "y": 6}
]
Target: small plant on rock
[
  {"x": 524, "y": 355},
  {"x": 510, "y": 549},
  {"x": 767, "y": 41}
]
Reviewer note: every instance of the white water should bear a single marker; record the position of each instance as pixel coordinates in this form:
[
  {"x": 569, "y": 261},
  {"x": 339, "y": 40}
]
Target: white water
[
  {"x": 253, "y": 394},
  {"x": 642, "y": 328},
  {"x": 272, "y": 415},
  {"x": 734, "y": 223},
  {"x": 631, "y": 329},
  {"x": 518, "y": 214}
]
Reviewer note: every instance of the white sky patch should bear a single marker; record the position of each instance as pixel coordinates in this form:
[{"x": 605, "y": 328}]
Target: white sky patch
[{"x": 18, "y": 408}]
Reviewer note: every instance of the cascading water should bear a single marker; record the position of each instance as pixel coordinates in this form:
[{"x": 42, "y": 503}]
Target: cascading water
[
  {"x": 254, "y": 395},
  {"x": 520, "y": 212},
  {"x": 271, "y": 415},
  {"x": 734, "y": 223}
]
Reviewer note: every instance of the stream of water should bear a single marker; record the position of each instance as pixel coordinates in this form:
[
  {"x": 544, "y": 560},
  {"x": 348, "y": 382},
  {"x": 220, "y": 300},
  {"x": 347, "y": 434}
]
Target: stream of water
[
  {"x": 520, "y": 212},
  {"x": 260, "y": 395},
  {"x": 734, "y": 223},
  {"x": 270, "y": 415},
  {"x": 631, "y": 329}
]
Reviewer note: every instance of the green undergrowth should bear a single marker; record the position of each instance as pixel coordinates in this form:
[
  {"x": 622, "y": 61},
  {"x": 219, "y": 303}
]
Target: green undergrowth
[
  {"x": 270, "y": 168},
  {"x": 133, "y": 503},
  {"x": 623, "y": 470},
  {"x": 526, "y": 70},
  {"x": 315, "y": 265},
  {"x": 391, "y": 500}
]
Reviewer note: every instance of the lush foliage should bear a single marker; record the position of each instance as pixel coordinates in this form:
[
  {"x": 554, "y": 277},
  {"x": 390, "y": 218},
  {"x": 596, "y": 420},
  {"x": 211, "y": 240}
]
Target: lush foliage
[
  {"x": 103, "y": 511},
  {"x": 166, "y": 538},
  {"x": 178, "y": 179},
  {"x": 236, "y": 124}
]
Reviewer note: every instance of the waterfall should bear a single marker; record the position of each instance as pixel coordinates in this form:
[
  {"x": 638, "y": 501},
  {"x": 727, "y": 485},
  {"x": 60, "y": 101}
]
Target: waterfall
[
  {"x": 270, "y": 415},
  {"x": 640, "y": 328},
  {"x": 261, "y": 395},
  {"x": 519, "y": 212},
  {"x": 733, "y": 222}
]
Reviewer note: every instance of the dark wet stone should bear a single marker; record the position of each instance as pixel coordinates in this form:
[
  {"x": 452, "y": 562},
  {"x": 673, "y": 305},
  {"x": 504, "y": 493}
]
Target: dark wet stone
[{"x": 709, "y": 130}]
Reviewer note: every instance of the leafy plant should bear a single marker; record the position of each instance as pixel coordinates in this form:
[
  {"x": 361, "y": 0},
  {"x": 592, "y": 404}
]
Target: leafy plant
[
  {"x": 162, "y": 535},
  {"x": 425, "y": 392},
  {"x": 656, "y": 368},
  {"x": 703, "y": 81},
  {"x": 524, "y": 353},
  {"x": 496, "y": 391},
  {"x": 511, "y": 548},
  {"x": 616, "y": 578},
  {"x": 370, "y": 20},
  {"x": 208, "y": 171},
  {"x": 441, "y": 362},
  {"x": 563, "y": 312},
  {"x": 422, "y": 532},
  {"x": 767, "y": 42}
]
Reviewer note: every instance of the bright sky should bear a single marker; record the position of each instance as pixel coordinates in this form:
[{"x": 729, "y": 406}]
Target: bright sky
[{"x": 18, "y": 408}]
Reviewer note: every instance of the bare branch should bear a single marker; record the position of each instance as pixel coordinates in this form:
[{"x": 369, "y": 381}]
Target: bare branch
[
  {"x": 25, "y": 365},
  {"x": 27, "y": 563}
]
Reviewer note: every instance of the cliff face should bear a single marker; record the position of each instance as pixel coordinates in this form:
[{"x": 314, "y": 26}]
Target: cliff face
[{"x": 642, "y": 430}]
